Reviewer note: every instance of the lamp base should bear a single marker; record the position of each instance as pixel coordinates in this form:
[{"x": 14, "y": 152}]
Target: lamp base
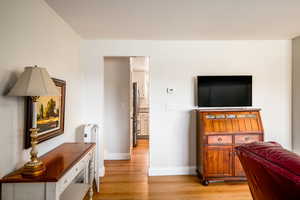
[{"x": 33, "y": 169}]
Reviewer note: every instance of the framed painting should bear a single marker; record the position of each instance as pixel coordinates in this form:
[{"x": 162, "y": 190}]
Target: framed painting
[{"x": 50, "y": 115}]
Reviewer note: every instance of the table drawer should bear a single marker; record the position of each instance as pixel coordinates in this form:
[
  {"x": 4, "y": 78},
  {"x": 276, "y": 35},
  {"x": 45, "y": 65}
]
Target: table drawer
[
  {"x": 219, "y": 139},
  {"x": 67, "y": 179},
  {"x": 240, "y": 139}
]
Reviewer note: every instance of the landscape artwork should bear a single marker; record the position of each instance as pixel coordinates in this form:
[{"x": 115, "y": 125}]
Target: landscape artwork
[{"x": 50, "y": 115}]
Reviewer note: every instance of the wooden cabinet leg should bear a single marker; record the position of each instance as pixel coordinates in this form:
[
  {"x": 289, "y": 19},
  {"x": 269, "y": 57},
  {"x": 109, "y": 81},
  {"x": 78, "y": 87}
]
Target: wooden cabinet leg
[{"x": 205, "y": 182}]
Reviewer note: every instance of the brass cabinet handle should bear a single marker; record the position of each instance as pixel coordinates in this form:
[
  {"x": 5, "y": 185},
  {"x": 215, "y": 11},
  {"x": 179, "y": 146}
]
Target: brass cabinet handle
[{"x": 219, "y": 139}]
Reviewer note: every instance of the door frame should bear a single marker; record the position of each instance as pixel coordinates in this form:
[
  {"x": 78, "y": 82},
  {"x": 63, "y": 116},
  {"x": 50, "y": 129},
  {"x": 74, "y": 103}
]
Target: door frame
[{"x": 130, "y": 95}]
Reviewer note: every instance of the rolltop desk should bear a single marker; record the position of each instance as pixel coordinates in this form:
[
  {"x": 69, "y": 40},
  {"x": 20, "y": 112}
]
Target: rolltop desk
[{"x": 218, "y": 132}]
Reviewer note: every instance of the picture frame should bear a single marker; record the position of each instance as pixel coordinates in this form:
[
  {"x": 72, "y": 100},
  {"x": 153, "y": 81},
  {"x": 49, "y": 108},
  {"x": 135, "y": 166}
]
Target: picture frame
[{"x": 50, "y": 115}]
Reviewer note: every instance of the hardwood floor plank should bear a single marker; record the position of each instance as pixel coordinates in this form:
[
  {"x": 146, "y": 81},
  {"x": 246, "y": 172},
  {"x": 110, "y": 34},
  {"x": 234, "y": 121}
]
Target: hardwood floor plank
[{"x": 128, "y": 180}]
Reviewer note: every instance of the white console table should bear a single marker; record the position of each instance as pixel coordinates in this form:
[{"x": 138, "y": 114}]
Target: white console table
[{"x": 64, "y": 165}]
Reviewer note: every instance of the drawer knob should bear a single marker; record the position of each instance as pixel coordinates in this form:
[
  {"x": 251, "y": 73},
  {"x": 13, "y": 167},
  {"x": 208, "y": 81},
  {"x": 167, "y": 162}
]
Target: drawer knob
[
  {"x": 219, "y": 139},
  {"x": 247, "y": 138}
]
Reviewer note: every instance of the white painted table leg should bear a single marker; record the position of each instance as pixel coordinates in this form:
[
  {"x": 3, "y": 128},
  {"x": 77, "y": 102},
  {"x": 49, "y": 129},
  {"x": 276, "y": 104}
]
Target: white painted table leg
[{"x": 91, "y": 177}]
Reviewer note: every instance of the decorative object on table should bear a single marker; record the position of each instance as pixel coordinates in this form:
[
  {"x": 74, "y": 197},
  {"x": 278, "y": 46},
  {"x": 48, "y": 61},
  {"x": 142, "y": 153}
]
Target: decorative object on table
[
  {"x": 50, "y": 115},
  {"x": 34, "y": 82}
]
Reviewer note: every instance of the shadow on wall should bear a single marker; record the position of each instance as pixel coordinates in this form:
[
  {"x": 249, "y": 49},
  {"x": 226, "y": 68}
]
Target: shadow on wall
[
  {"x": 8, "y": 84},
  {"x": 192, "y": 127},
  {"x": 195, "y": 83},
  {"x": 79, "y": 137},
  {"x": 12, "y": 113},
  {"x": 192, "y": 139}
]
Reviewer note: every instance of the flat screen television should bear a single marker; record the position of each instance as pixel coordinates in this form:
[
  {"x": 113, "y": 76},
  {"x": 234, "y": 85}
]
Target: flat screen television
[{"x": 224, "y": 91}]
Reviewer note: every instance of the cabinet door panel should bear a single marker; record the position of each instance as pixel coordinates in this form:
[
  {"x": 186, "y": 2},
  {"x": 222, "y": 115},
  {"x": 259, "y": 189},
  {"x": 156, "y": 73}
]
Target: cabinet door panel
[
  {"x": 238, "y": 168},
  {"x": 218, "y": 161}
]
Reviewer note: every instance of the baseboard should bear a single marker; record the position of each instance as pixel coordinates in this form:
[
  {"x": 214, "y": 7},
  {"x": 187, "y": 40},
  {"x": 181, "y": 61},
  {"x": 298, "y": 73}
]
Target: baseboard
[
  {"x": 117, "y": 156},
  {"x": 170, "y": 171},
  {"x": 143, "y": 137}
]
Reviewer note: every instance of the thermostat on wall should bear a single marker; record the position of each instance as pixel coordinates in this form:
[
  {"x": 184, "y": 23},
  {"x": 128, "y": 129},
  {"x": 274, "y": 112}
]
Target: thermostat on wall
[{"x": 170, "y": 90}]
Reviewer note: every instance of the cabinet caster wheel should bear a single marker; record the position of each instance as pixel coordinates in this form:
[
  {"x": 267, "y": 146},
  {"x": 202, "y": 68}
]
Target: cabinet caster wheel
[{"x": 205, "y": 182}]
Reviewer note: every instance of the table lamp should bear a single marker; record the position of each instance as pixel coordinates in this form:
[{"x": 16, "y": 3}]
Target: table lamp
[{"x": 34, "y": 82}]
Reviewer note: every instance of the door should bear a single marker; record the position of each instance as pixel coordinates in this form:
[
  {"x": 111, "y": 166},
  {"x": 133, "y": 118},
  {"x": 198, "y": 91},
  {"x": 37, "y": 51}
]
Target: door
[
  {"x": 238, "y": 168},
  {"x": 218, "y": 161},
  {"x": 134, "y": 113}
]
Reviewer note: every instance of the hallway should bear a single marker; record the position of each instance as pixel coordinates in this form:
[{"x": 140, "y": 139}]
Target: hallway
[{"x": 128, "y": 180}]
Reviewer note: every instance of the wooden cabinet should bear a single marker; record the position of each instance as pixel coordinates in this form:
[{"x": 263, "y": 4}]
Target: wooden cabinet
[
  {"x": 218, "y": 132},
  {"x": 144, "y": 119}
]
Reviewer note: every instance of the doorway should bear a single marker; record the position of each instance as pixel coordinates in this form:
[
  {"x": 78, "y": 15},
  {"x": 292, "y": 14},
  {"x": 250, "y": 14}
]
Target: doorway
[
  {"x": 140, "y": 102},
  {"x": 126, "y": 105}
]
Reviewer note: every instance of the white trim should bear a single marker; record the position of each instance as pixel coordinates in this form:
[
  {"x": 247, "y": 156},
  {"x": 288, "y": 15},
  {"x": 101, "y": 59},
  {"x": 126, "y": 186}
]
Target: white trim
[
  {"x": 101, "y": 171},
  {"x": 169, "y": 171},
  {"x": 117, "y": 156}
]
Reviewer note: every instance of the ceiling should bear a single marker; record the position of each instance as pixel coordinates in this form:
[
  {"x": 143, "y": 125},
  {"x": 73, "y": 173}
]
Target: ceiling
[{"x": 181, "y": 19}]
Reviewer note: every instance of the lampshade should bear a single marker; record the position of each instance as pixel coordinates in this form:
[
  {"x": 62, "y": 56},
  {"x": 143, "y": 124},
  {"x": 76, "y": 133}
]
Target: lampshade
[{"x": 34, "y": 81}]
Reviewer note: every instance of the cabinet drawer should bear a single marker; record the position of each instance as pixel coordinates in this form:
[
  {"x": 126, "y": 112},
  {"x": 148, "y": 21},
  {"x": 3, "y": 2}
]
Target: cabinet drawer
[
  {"x": 220, "y": 139},
  {"x": 240, "y": 139}
]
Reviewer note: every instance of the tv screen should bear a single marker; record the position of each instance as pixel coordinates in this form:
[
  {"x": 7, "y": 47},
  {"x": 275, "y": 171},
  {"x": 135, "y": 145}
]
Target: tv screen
[{"x": 224, "y": 91}]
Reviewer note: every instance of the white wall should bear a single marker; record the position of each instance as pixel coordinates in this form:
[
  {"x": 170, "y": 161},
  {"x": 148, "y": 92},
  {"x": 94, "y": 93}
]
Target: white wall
[
  {"x": 140, "y": 69},
  {"x": 139, "y": 63},
  {"x": 176, "y": 64},
  {"x": 141, "y": 77},
  {"x": 33, "y": 34},
  {"x": 296, "y": 95},
  {"x": 117, "y": 108}
]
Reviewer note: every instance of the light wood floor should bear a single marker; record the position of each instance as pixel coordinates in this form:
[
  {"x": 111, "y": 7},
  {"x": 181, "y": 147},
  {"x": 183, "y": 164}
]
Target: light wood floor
[{"x": 128, "y": 180}]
